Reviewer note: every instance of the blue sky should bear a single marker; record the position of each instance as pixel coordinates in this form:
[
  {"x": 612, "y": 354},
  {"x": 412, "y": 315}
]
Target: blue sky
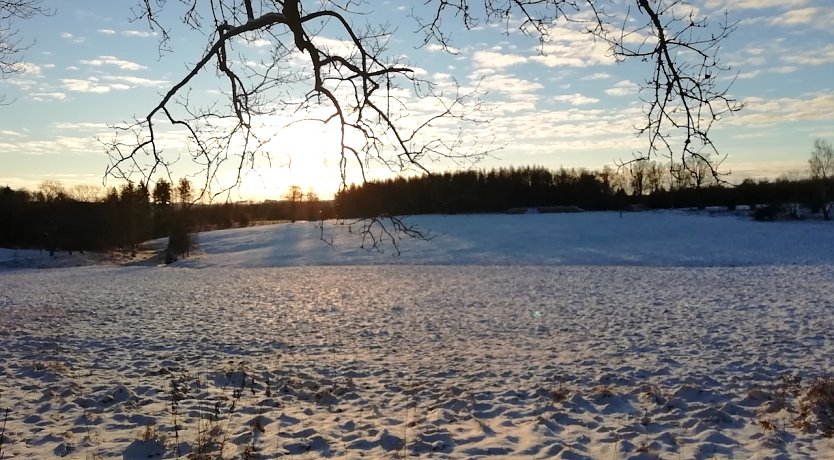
[{"x": 90, "y": 66}]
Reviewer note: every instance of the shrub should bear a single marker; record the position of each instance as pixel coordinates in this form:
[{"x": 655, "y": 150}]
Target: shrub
[
  {"x": 768, "y": 213},
  {"x": 818, "y": 404},
  {"x": 179, "y": 241}
]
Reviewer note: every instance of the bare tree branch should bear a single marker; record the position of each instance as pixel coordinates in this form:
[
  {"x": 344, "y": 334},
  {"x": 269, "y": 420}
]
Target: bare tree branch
[
  {"x": 11, "y": 44},
  {"x": 357, "y": 89},
  {"x": 352, "y": 84},
  {"x": 683, "y": 95},
  {"x": 381, "y": 231}
]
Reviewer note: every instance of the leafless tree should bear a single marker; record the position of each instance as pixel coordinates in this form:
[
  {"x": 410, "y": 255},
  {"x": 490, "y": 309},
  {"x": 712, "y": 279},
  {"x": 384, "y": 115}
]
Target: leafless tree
[
  {"x": 679, "y": 177},
  {"x": 185, "y": 193},
  {"x": 361, "y": 89},
  {"x": 654, "y": 176},
  {"x": 294, "y": 195},
  {"x": 701, "y": 171},
  {"x": 311, "y": 205},
  {"x": 51, "y": 190},
  {"x": 683, "y": 97},
  {"x": 11, "y": 43},
  {"x": 637, "y": 172},
  {"x": 821, "y": 165},
  {"x": 86, "y": 192}
]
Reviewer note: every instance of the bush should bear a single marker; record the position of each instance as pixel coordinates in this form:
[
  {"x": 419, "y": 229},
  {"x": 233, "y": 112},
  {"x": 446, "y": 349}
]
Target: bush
[
  {"x": 768, "y": 213},
  {"x": 179, "y": 241}
]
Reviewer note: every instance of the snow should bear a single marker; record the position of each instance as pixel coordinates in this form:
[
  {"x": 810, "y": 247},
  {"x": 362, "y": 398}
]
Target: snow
[
  {"x": 595, "y": 239},
  {"x": 20, "y": 257},
  {"x": 28, "y": 258},
  {"x": 588, "y": 335}
]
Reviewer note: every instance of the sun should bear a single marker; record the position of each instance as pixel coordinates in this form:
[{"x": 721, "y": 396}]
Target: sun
[
  {"x": 303, "y": 154},
  {"x": 258, "y": 184}
]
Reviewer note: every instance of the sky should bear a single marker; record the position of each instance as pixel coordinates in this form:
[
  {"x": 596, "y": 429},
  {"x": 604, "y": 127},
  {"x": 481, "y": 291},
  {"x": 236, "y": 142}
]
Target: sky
[{"x": 90, "y": 66}]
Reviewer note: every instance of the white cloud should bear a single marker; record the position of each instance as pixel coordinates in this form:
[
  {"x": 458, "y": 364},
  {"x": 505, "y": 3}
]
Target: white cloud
[
  {"x": 260, "y": 43},
  {"x": 576, "y": 99},
  {"x": 754, "y": 4},
  {"x": 573, "y": 48},
  {"x": 80, "y": 145},
  {"x": 435, "y": 48},
  {"x": 784, "y": 69},
  {"x": 755, "y": 73},
  {"x": 565, "y": 47},
  {"x": 81, "y": 126},
  {"x": 796, "y": 16},
  {"x": 748, "y": 75},
  {"x": 138, "y": 33},
  {"x": 811, "y": 57},
  {"x": 113, "y": 61},
  {"x": 574, "y": 130},
  {"x": 596, "y": 76},
  {"x": 106, "y": 31},
  {"x": 84, "y": 86},
  {"x": 623, "y": 88},
  {"x": 72, "y": 38},
  {"x": 684, "y": 10},
  {"x": 493, "y": 60},
  {"x": 108, "y": 83},
  {"x": 767, "y": 112},
  {"x": 30, "y": 77},
  {"x": 335, "y": 46},
  {"x": 33, "y": 70},
  {"x": 48, "y": 96},
  {"x": 134, "y": 81},
  {"x": 508, "y": 93},
  {"x": 819, "y": 18},
  {"x": 419, "y": 71},
  {"x": 509, "y": 84}
]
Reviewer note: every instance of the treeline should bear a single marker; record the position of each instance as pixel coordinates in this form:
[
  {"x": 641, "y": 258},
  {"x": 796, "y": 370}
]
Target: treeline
[
  {"x": 53, "y": 218},
  {"x": 650, "y": 185},
  {"x": 57, "y": 219},
  {"x": 638, "y": 184}
]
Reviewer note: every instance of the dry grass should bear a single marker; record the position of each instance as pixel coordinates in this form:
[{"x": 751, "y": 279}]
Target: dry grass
[
  {"x": 788, "y": 404},
  {"x": 816, "y": 407},
  {"x": 559, "y": 395},
  {"x": 6, "y": 413}
]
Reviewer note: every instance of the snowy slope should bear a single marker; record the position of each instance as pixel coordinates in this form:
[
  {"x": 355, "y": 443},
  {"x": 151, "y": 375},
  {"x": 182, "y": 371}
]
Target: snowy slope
[
  {"x": 604, "y": 238},
  {"x": 581, "y": 336}
]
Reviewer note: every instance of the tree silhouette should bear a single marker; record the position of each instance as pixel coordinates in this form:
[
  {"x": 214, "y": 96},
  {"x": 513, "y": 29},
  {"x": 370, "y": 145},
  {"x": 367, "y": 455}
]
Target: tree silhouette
[
  {"x": 11, "y": 44},
  {"x": 358, "y": 86},
  {"x": 821, "y": 166},
  {"x": 162, "y": 193},
  {"x": 821, "y": 163},
  {"x": 294, "y": 195}
]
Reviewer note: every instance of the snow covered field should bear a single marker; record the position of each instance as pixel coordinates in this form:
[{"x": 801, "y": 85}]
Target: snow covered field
[{"x": 663, "y": 335}]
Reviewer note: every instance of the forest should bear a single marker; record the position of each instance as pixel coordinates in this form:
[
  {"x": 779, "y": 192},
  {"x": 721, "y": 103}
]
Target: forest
[
  {"x": 57, "y": 219},
  {"x": 507, "y": 189}
]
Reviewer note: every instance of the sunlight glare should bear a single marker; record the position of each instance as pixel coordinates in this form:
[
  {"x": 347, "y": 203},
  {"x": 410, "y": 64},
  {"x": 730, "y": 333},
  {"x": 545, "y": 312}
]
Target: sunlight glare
[{"x": 305, "y": 154}]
